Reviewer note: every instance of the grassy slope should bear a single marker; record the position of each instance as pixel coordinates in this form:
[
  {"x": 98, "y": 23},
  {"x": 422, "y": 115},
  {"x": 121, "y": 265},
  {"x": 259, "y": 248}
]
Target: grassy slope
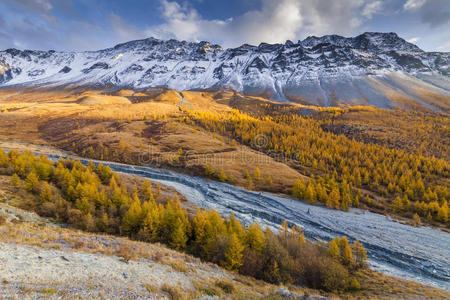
[
  {"x": 55, "y": 118},
  {"x": 193, "y": 278}
]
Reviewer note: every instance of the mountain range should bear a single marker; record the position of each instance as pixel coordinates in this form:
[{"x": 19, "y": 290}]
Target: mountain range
[{"x": 379, "y": 69}]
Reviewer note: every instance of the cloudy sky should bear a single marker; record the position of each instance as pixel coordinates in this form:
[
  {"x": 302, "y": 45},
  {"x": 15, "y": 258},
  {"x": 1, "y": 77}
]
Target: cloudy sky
[{"x": 96, "y": 24}]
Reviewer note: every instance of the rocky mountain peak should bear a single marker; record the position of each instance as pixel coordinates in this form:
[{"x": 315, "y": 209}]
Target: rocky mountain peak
[
  {"x": 319, "y": 70},
  {"x": 378, "y": 41},
  {"x": 370, "y": 41}
]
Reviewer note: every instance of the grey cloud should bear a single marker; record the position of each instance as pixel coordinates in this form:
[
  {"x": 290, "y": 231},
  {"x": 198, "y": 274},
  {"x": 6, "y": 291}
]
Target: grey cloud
[
  {"x": 87, "y": 36},
  {"x": 33, "y": 29},
  {"x": 436, "y": 12},
  {"x": 329, "y": 17},
  {"x": 413, "y": 4},
  {"x": 275, "y": 21},
  {"x": 42, "y": 7},
  {"x": 27, "y": 34},
  {"x": 124, "y": 30},
  {"x": 5, "y": 39},
  {"x": 372, "y": 8}
]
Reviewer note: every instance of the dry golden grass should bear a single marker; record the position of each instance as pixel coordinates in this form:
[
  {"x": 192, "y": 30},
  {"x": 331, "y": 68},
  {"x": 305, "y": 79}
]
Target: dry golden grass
[
  {"x": 178, "y": 265},
  {"x": 175, "y": 292},
  {"x": 204, "y": 101},
  {"x": 103, "y": 100},
  {"x": 125, "y": 93},
  {"x": 131, "y": 112},
  {"x": 380, "y": 286},
  {"x": 146, "y": 127}
]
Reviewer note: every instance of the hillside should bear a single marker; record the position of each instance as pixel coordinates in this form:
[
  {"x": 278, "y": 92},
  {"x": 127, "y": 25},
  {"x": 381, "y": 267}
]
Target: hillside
[
  {"x": 47, "y": 261},
  {"x": 378, "y": 69},
  {"x": 110, "y": 266},
  {"x": 203, "y": 133},
  {"x": 42, "y": 260}
]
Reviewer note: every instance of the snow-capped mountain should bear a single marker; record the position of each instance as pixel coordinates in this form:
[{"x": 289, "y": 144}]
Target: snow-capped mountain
[{"x": 372, "y": 68}]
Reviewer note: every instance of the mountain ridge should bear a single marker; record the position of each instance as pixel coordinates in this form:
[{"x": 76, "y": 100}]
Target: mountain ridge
[{"x": 370, "y": 69}]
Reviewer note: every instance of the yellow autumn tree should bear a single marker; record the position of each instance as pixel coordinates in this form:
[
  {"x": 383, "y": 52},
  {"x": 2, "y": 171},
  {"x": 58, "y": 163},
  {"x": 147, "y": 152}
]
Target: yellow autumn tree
[
  {"x": 178, "y": 237},
  {"x": 31, "y": 182},
  {"x": 360, "y": 253},
  {"x": 310, "y": 193},
  {"x": 397, "y": 204},
  {"x": 131, "y": 222},
  {"x": 222, "y": 176},
  {"x": 15, "y": 180},
  {"x": 442, "y": 213},
  {"x": 46, "y": 192},
  {"x": 297, "y": 233},
  {"x": 333, "y": 248},
  {"x": 209, "y": 171},
  {"x": 199, "y": 234},
  {"x": 248, "y": 180},
  {"x": 82, "y": 203},
  {"x": 345, "y": 251},
  {"x": 255, "y": 237},
  {"x": 334, "y": 199},
  {"x": 206, "y": 228},
  {"x": 257, "y": 174},
  {"x": 146, "y": 189},
  {"x": 299, "y": 189},
  {"x": 175, "y": 225},
  {"x": 233, "y": 254},
  {"x": 151, "y": 219},
  {"x": 235, "y": 226},
  {"x": 284, "y": 230}
]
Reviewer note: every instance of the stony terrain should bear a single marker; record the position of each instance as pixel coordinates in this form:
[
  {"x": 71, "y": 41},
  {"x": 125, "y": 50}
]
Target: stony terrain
[{"x": 42, "y": 260}]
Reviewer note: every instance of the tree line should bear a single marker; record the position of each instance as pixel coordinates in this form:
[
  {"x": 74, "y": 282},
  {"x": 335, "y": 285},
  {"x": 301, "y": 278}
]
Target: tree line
[{"x": 340, "y": 165}]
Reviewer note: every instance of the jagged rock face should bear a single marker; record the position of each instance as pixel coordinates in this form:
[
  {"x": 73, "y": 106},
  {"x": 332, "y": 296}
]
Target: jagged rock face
[
  {"x": 324, "y": 70},
  {"x": 5, "y": 72}
]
